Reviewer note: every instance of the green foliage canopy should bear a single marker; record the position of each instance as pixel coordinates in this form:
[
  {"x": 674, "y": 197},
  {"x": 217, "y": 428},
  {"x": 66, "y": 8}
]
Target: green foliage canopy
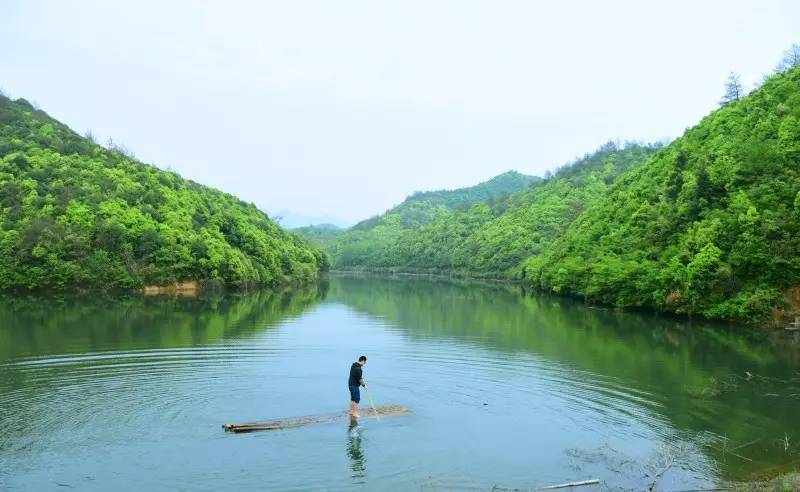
[
  {"x": 368, "y": 242},
  {"x": 74, "y": 215},
  {"x": 708, "y": 225}
]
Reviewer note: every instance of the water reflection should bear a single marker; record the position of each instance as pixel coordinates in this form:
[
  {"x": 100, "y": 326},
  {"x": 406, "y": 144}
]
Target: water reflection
[
  {"x": 561, "y": 389},
  {"x": 693, "y": 376},
  {"x": 355, "y": 451},
  {"x": 34, "y": 326},
  {"x": 65, "y": 362}
]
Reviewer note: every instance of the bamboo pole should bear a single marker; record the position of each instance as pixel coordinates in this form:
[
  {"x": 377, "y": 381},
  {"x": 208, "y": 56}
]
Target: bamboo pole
[{"x": 372, "y": 404}]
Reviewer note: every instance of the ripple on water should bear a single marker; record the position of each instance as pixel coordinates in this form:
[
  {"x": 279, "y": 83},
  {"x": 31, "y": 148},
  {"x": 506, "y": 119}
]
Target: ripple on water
[
  {"x": 125, "y": 389},
  {"x": 476, "y": 376},
  {"x": 157, "y": 388}
]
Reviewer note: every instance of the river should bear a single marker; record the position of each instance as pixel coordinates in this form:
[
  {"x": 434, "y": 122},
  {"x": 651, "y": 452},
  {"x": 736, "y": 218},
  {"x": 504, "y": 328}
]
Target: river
[{"x": 506, "y": 388}]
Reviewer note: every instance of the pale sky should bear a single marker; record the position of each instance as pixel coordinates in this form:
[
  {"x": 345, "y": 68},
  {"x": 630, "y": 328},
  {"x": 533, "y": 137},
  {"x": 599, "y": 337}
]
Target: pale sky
[{"x": 340, "y": 108}]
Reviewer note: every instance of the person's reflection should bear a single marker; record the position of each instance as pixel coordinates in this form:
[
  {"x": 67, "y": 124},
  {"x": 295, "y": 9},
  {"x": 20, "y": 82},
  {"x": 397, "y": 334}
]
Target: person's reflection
[{"x": 355, "y": 451}]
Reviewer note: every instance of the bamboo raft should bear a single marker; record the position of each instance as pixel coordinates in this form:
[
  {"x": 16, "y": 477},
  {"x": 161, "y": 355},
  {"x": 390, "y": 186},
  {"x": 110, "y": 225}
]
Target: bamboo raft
[{"x": 380, "y": 411}]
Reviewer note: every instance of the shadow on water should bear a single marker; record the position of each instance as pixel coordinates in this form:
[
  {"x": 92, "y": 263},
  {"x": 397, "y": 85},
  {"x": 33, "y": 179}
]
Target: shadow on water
[{"x": 736, "y": 392}]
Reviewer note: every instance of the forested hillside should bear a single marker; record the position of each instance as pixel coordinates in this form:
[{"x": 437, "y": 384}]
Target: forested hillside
[
  {"x": 710, "y": 225},
  {"x": 74, "y": 215},
  {"x": 424, "y": 206},
  {"x": 365, "y": 243},
  {"x": 319, "y": 234},
  {"x": 492, "y": 238}
]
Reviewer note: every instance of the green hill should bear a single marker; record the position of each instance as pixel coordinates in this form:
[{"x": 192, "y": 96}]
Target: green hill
[
  {"x": 492, "y": 238},
  {"x": 424, "y": 206},
  {"x": 74, "y": 215},
  {"x": 365, "y": 243},
  {"x": 320, "y": 234},
  {"x": 710, "y": 225}
]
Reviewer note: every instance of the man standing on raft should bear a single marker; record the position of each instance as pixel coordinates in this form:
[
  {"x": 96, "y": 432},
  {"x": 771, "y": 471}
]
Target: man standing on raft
[{"x": 356, "y": 379}]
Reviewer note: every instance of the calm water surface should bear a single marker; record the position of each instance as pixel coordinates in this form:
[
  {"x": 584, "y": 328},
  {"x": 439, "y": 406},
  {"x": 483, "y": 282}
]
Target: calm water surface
[{"x": 507, "y": 389}]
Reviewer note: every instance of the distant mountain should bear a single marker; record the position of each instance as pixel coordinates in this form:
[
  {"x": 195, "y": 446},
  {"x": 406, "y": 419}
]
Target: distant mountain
[
  {"x": 423, "y": 206},
  {"x": 491, "y": 238},
  {"x": 320, "y": 235},
  {"x": 292, "y": 220},
  {"x": 365, "y": 243},
  {"x": 75, "y": 215}
]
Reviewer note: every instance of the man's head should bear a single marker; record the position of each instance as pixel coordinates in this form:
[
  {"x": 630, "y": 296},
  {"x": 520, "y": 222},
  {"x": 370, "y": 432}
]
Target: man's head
[{"x": 362, "y": 360}]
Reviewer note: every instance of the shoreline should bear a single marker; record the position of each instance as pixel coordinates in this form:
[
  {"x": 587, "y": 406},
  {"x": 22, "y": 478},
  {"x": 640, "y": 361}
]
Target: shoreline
[
  {"x": 783, "y": 482},
  {"x": 194, "y": 288},
  {"x": 771, "y": 327},
  {"x": 179, "y": 288}
]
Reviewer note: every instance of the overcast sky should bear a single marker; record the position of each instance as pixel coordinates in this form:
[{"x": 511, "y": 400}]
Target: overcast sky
[{"x": 343, "y": 108}]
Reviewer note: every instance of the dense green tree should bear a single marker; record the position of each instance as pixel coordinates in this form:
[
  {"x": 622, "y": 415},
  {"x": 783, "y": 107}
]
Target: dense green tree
[
  {"x": 367, "y": 242},
  {"x": 321, "y": 234},
  {"x": 710, "y": 225},
  {"x": 492, "y": 237},
  {"x": 74, "y": 215}
]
